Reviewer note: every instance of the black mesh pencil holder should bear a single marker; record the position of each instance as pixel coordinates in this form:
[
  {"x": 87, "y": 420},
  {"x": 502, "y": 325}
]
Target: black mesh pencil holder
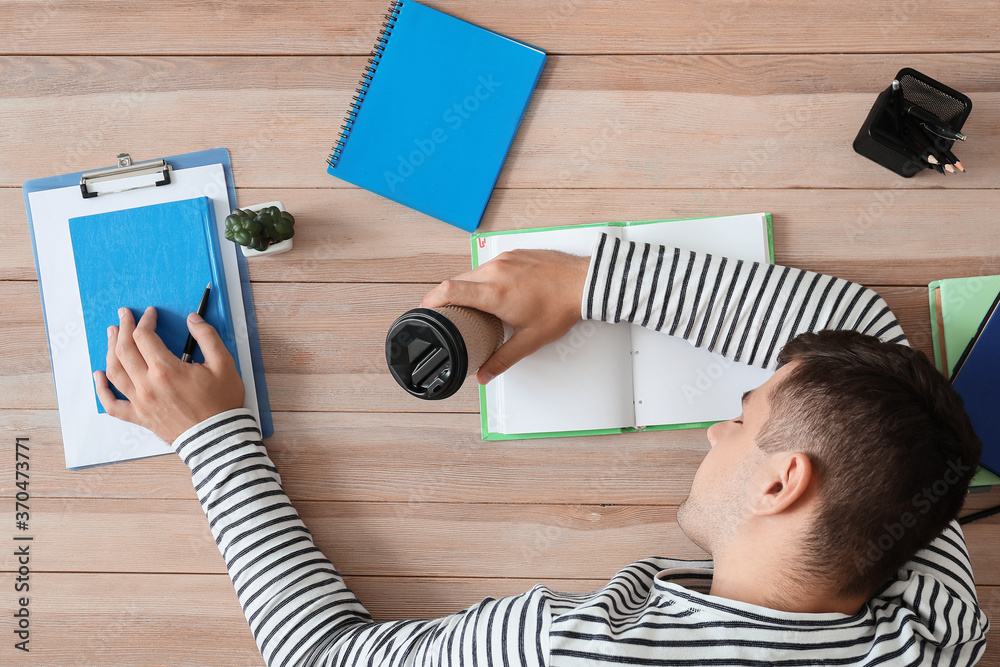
[{"x": 880, "y": 137}]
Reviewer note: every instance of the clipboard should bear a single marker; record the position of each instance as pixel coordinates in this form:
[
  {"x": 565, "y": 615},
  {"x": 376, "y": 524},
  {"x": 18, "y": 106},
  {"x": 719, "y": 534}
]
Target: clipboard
[{"x": 49, "y": 203}]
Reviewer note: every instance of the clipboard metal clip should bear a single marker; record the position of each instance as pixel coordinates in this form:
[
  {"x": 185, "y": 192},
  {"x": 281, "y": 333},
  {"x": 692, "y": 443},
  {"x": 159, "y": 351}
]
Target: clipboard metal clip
[{"x": 126, "y": 169}]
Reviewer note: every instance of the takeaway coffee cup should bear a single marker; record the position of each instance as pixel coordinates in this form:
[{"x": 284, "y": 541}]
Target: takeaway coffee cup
[{"x": 430, "y": 352}]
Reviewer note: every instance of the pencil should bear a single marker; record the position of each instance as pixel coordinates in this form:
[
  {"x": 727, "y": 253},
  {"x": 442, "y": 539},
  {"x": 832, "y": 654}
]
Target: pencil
[
  {"x": 918, "y": 135},
  {"x": 191, "y": 345},
  {"x": 954, "y": 160}
]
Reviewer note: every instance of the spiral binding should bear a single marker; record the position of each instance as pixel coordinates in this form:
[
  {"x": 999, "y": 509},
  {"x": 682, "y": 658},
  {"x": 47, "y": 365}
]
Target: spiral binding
[{"x": 365, "y": 83}]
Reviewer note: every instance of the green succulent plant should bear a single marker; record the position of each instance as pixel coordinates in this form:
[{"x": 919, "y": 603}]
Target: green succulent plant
[{"x": 259, "y": 230}]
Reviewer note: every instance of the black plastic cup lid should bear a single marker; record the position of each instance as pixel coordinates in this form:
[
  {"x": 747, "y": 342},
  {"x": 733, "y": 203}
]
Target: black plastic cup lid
[{"x": 426, "y": 354}]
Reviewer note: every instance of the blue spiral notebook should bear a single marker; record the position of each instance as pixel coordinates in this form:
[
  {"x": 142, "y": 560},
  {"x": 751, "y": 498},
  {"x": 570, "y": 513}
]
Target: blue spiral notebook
[
  {"x": 436, "y": 113},
  {"x": 976, "y": 378},
  {"x": 161, "y": 255}
]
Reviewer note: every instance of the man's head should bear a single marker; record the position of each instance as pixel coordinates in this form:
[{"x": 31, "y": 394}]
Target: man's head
[{"x": 858, "y": 452}]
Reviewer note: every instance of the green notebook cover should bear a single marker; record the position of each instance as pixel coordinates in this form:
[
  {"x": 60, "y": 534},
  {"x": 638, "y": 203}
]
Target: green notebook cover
[
  {"x": 957, "y": 307},
  {"x": 488, "y": 435}
]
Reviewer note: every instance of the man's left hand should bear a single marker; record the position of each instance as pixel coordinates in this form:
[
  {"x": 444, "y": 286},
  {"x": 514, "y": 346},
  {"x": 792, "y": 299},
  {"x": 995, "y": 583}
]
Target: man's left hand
[{"x": 166, "y": 395}]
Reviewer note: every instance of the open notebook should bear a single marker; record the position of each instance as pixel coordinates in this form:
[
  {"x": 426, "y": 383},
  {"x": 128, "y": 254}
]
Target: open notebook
[{"x": 609, "y": 378}]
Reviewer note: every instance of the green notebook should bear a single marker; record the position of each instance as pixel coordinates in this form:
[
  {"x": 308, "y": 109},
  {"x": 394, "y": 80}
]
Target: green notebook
[
  {"x": 958, "y": 306},
  {"x": 604, "y": 378}
]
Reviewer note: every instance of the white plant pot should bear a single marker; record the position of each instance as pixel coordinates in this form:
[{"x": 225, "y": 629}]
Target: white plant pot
[{"x": 275, "y": 249}]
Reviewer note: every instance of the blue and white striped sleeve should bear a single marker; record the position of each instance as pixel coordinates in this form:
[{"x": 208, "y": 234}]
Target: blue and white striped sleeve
[
  {"x": 745, "y": 311},
  {"x": 299, "y": 609}
]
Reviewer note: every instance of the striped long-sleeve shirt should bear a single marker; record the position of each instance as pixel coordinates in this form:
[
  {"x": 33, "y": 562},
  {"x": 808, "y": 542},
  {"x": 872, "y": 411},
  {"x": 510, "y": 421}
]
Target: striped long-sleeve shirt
[{"x": 657, "y": 611}]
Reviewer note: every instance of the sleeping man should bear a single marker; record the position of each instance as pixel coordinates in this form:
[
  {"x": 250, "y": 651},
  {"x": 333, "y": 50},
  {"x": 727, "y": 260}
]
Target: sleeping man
[{"x": 827, "y": 505}]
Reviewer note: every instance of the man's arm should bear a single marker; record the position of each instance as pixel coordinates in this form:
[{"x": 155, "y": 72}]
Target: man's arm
[
  {"x": 292, "y": 596},
  {"x": 745, "y": 311},
  {"x": 742, "y": 310},
  {"x": 296, "y": 603}
]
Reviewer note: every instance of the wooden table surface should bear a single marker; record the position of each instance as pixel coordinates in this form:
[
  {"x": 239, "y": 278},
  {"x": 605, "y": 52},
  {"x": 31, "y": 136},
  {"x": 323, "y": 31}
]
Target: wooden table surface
[{"x": 645, "y": 109}]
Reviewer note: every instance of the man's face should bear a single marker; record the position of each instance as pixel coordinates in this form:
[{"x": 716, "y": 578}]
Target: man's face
[{"x": 717, "y": 504}]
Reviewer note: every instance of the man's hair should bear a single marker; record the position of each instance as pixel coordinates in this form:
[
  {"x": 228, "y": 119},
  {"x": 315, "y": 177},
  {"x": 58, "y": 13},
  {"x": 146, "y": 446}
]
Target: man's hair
[{"x": 890, "y": 442}]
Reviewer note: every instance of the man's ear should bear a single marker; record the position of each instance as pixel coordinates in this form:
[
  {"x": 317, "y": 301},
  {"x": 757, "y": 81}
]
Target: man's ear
[{"x": 784, "y": 479}]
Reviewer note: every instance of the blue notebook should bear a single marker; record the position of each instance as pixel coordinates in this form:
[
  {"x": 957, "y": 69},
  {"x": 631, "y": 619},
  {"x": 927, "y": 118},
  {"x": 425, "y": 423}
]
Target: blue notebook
[
  {"x": 161, "y": 255},
  {"x": 977, "y": 380},
  {"x": 437, "y": 111}
]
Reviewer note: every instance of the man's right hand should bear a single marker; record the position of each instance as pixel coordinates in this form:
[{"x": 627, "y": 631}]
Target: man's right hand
[
  {"x": 164, "y": 394},
  {"x": 538, "y": 292}
]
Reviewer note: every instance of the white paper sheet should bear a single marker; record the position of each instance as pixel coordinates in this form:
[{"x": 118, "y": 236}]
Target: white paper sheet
[
  {"x": 675, "y": 382},
  {"x": 582, "y": 381},
  {"x": 91, "y": 438}
]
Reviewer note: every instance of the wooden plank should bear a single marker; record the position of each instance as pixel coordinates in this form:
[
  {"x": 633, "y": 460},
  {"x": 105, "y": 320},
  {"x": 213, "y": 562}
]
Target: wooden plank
[
  {"x": 323, "y": 345},
  {"x": 394, "y": 539},
  {"x": 989, "y": 601},
  {"x": 558, "y": 26},
  {"x": 745, "y": 75},
  {"x": 984, "y": 498},
  {"x": 392, "y": 458},
  {"x": 981, "y": 537},
  {"x": 594, "y": 122},
  {"x": 401, "y": 458},
  {"x": 157, "y": 477},
  {"x": 368, "y": 538},
  {"x": 83, "y": 619},
  {"x": 355, "y": 236}
]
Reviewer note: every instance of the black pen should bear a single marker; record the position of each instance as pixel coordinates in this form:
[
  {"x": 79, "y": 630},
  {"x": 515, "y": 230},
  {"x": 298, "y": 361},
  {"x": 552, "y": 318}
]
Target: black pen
[
  {"x": 191, "y": 345},
  {"x": 934, "y": 124},
  {"x": 979, "y": 515}
]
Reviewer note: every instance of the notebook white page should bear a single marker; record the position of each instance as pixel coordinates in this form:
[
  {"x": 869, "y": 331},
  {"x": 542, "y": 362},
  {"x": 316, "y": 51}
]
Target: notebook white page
[
  {"x": 91, "y": 438},
  {"x": 675, "y": 382},
  {"x": 582, "y": 381}
]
